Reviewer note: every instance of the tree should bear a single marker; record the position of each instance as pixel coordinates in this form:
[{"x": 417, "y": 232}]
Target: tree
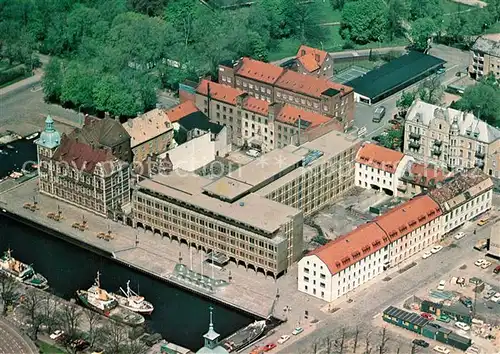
[
  {"x": 364, "y": 20},
  {"x": 483, "y": 99},
  {"x": 425, "y": 8},
  {"x": 147, "y": 7},
  {"x": 8, "y": 293},
  {"x": 116, "y": 335},
  {"x": 49, "y": 312},
  {"x": 382, "y": 347},
  {"x": 339, "y": 344},
  {"x": 300, "y": 19},
  {"x": 78, "y": 82},
  {"x": 405, "y": 101},
  {"x": 52, "y": 80},
  {"x": 421, "y": 31},
  {"x": 93, "y": 319},
  {"x": 396, "y": 16},
  {"x": 368, "y": 346},
  {"x": 431, "y": 91},
  {"x": 356, "y": 336},
  {"x": 392, "y": 139},
  {"x": 71, "y": 316},
  {"x": 33, "y": 300}
]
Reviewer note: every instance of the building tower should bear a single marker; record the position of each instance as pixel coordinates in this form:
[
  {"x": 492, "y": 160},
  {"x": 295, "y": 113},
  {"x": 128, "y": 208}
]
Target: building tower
[
  {"x": 211, "y": 345},
  {"x": 47, "y": 143}
]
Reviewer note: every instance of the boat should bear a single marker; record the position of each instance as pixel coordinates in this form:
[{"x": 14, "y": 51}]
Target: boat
[
  {"x": 10, "y": 147},
  {"x": 244, "y": 336},
  {"x": 99, "y": 300},
  {"x": 22, "y": 272},
  {"x": 32, "y": 136},
  {"x": 133, "y": 302}
]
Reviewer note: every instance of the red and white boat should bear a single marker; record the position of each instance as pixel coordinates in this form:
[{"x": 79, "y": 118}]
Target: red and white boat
[{"x": 132, "y": 301}]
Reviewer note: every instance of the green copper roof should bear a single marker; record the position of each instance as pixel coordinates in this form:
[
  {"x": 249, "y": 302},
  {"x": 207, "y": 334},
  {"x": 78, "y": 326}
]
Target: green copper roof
[{"x": 50, "y": 137}]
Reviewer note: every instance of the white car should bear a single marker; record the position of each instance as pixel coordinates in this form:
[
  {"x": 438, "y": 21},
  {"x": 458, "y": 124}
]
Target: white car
[
  {"x": 56, "y": 334},
  {"x": 441, "y": 285},
  {"x": 436, "y": 249},
  {"x": 495, "y": 298},
  {"x": 441, "y": 349},
  {"x": 426, "y": 255},
  {"x": 485, "y": 265},
  {"x": 253, "y": 153},
  {"x": 459, "y": 235},
  {"x": 283, "y": 339},
  {"x": 479, "y": 262},
  {"x": 297, "y": 331},
  {"x": 462, "y": 326}
]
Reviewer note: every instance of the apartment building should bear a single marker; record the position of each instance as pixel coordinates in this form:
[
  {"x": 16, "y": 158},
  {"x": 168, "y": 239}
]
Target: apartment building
[
  {"x": 339, "y": 267},
  {"x": 463, "y": 197},
  {"x": 312, "y": 61},
  {"x": 485, "y": 57},
  {"x": 80, "y": 174},
  {"x": 274, "y": 84},
  {"x": 255, "y": 232},
  {"x": 418, "y": 178},
  {"x": 450, "y": 139},
  {"x": 379, "y": 168},
  {"x": 258, "y": 123},
  {"x": 151, "y": 133}
]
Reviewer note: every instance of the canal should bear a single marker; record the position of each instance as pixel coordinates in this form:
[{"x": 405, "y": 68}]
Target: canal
[{"x": 180, "y": 316}]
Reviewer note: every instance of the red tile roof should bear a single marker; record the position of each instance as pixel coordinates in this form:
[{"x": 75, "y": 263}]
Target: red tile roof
[
  {"x": 308, "y": 85},
  {"x": 311, "y": 58},
  {"x": 422, "y": 174},
  {"x": 290, "y": 114},
  {"x": 408, "y": 216},
  {"x": 350, "y": 248},
  {"x": 260, "y": 71},
  {"x": 180, "y": 111},
  {"x": 80, "y": 155},
  {"x": 255, "y": 105},
  {"x": 377, "y": 156},
  {"x": 219, "y": 92}
]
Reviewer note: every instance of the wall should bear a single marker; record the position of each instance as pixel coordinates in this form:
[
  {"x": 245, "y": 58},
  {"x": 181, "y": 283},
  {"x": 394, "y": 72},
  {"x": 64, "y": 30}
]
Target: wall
[{"x": 193, "y": 154}]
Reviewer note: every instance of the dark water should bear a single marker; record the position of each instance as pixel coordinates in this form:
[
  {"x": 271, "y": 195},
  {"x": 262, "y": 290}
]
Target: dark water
[{"x": 181, "y": 317}]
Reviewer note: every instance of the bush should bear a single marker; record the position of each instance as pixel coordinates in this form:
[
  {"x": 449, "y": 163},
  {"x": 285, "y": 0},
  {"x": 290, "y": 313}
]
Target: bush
[
  {"x": 348, "y": 44},
  {"x": 12, "y": 74}
]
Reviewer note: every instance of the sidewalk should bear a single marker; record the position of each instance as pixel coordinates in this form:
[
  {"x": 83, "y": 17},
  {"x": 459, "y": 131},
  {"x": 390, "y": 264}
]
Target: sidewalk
[{"x": 20, "y": 85}]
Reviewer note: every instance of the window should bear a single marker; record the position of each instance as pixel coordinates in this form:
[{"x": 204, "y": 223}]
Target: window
[{"x": 306, "y": 279}]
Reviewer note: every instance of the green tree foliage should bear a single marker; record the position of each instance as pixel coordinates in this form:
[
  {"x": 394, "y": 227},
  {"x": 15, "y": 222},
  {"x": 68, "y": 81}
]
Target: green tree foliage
[
  {"x": 147, "y": 7},
  {"x": 483, "y": 99},
  {"x": 405, "y": 101},
  {"x": 397, "y": 14},
  {"x": 421, "y": 30},
  {"x": 425, "y": 8},
  {"x": 52, "y": 80},
  {"x": 431, "y": 90},
  {"x": 364, "y": 20},
  {"x": 393, "y": 139}
]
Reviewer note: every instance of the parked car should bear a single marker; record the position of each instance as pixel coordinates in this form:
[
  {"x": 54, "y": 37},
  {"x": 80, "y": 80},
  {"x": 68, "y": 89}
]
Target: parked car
[
  {"x": 441, "y": 285},
  {"x": 444, "y": 318},
  {"x": 495, "y": 298},
  {"x": 462, "y": 326},
  {"x": 479, "y": 262},
  {"x": 253, "y": 153},
  {"x": 459, "y": 235},
  {"x": 283, "y": 338},
  {"x": 441, "y": 349},
  {"x": 426, "y": 255},
  {"x": 269, "y": 346},
  {"x": 297, "y": 331},
  {"x": 485, "y": 265},
  {"x": 378, "y": 114},
  {"x": 257, "y": 350},
  {"x": 497, "y": 269},
  {"x": 427, "y": 316},
  {"x": 436, "y": 249},
  {"x": 56, "y": 334},
  {"x": 421, "y": 343},
  {"x": 482, "y": 221},
  {"x": 466, "y": 301},
  {"x": 488, "y": 294}
]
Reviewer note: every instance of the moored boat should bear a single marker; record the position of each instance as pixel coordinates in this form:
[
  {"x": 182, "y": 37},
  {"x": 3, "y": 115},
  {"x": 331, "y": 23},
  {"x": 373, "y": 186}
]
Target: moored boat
[
  {"x": 133, "y": 302},
  {"x": 244, "y": 336},
  {"x": 22, "y": 272},
  {"x": 32, "y": 136}
]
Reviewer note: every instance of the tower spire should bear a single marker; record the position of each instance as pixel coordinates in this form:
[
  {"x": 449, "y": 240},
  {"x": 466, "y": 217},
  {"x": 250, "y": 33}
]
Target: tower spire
[{"x": 211, "y": 326}]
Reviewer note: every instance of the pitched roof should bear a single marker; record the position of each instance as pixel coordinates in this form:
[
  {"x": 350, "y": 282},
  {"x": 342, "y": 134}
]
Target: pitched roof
[
  {"x": 290, "y": 115},
  {"x": 487, "y": 45},
  {"x": 379, "y": 157},
  {"x": 147, "y": 126},
  {"x": 349, "y": 249},
  {"x": 260, "y": 71},
  {"x": 219, "y": 92},
  {"x": 255, "y": 105},
  {"x": 82, "y": 156},
  {"x": 101, "y": 132},
  {"x": 408, "y": 217},
  {"x": 309, "y": 85},
  {"x": 423, "y": 175},
  {"x": 311, "y": 58},
  {"x": 180, "y": 111}
]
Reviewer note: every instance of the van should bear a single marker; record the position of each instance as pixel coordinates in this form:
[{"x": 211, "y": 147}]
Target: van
[{"x": 378, "y": 114}]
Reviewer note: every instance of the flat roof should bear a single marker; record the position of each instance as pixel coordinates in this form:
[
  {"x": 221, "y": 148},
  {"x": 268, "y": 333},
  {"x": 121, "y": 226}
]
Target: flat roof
[
  {"x": 332, "y": 143},
  {"x": 394, "y": 74},
  {"x": 227, "y": 188},
  {"x": 403, "y": 315},
  {"x": 251, "y": 211}
]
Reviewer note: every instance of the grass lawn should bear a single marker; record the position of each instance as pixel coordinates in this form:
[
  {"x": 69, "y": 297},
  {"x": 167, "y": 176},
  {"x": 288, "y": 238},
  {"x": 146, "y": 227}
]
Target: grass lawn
[
  {"x": 46, "y": 348},
  {"x": 494, "y": 29},
  {"x": 22, "y": 77},
  {"x": 326, "y": 13},
  {"x": 451, "y": 6}
]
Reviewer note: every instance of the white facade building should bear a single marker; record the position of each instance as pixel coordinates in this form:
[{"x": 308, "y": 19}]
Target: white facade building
[{"x": 380, "y": 168}]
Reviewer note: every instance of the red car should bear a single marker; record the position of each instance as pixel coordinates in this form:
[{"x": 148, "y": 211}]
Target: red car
[
  {"x": 427, "y": 316},
  {"x": 269, "y": 347}
]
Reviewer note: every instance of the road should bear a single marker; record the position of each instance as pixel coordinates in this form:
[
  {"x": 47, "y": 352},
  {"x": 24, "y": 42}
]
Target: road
[
  {"x": 369, "y": 304},
  {"x": 12, "y": 342}
]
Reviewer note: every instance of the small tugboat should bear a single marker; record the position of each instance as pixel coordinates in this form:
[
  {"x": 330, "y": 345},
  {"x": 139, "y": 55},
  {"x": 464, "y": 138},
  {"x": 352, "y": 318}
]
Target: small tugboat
[
  {"x": 133, "y": 302},
  {"x": 244, "y": 336},
  {"x": 21, "y": 271},
  {"x": 101, "y": 301}
]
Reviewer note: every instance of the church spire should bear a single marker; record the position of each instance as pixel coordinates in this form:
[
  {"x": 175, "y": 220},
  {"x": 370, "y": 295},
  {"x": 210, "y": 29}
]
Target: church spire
[{"x": 211, "y": 337}]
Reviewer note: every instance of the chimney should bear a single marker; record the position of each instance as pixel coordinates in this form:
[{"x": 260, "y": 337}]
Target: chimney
[{"x": 317, "y": 57}]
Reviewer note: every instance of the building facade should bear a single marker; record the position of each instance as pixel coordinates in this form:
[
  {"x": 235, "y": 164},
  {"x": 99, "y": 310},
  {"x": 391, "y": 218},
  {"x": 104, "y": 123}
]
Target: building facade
[
  {"x": 151, "y": 133},
  {"x": 91, "y": 178},
  {"x": 450, "y": 139},
  {"x": 379, "y": 168},
  {"x": 312, "y": 61},
  {"x": 485, "y": 57}
]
